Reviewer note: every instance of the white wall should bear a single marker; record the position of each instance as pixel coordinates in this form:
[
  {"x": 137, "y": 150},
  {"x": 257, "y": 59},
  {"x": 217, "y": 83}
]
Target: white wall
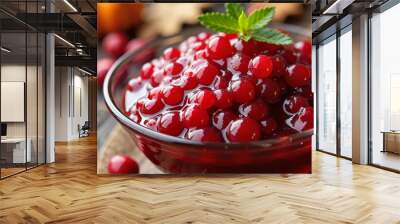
[{"x": 71, "y": 87}]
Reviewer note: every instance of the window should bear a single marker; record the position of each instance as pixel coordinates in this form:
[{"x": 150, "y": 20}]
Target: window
[
  {"x": 346, "y": 92},
  {"x": 385, "y": 89},
  {"x": 327, "y": 96}
]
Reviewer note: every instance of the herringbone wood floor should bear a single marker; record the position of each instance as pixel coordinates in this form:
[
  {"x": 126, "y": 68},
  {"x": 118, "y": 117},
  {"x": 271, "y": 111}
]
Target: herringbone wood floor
[{"x": 69, "y": 191}]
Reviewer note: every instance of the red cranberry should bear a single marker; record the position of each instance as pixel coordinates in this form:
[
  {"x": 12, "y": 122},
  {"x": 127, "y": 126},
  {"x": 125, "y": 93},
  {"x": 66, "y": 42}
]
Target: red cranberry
[
  {"x": 147, "y": 71},
  {"x": 152, "y": 106},
  {"x": 205, "y": 98},
  {"x": 305, "y": 48},
  {"x": 298, "y": 75},
  {"x": 279, "y": 65},
  {"x": 187, "y": 81},
  {"x": 256, "y": 110},
  {"x": 122, "y": 164},
  {"x": 154, "y": 93},
  {"x": 206, "y": 73},
  {"x": 204, "y": 135},
  {"x": 171, "y": 54},
  {"x": 304, "y": 91},
  {"x": 103, "y": 65},
  {"x": 270, "y": 90},
  {"x": 194, "y": 116},
  {"x": 269, "y": 126},
  {"x": 157, "y": 78},
  {"x": 243, "y": 130},
  {"x": 246, "y": 47},
  {"x": 243, "y": 90},
  {"x": 115, "y": 43},
  {"x": 224, "y": 98},
  {"x": 293, "y": 104},
  {"x": 222, "y": 118},
  {"x": 173, "y": 69},
  {"x": 134, "y": 84},
  {"x": 203, "y": 36},
  {"x": 172, "y": 95},
  {"x": 290, "y": 54},
  {"x": 170, "y": 124},
  {"x": 219, "y": 47},
  {"x": 238, "y": 63},
  {"x": 261, "y": 66},
  {"x": 303, "y": 120},
  {"x": 151, "y": 123}
]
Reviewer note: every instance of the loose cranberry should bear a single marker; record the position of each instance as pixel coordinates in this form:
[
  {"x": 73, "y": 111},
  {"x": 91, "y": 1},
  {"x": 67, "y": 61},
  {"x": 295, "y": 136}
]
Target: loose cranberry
[
  {"x": 292, "y": 104},
  {"x": 152, "y": 106},
  {"x": 170, "y": 124},
  {"x": 204, "y": 135},
  {"x": 298, "y": 75},
  {"x": 270, "y": 90},
  {"x": 256, "y": 110},
  {"x": 173, "y": 69},
  {"x": 238, "y": 63},
  {"x": 261, "y": 67},
  {"x": 147, "y": 71},
  {"x": 243, "y": 90},
  {"x": 224, "y": 98},
  {"x": 243, "y": 130},
  {"x": 269, "y": 126},
  {"x": 222, "y": 118},
  {"x": 157, "y": 78},
  {"x": 201, "y": 54},
  {"x": 194, "y": 116},
  {"x": 171, "y": 54},
  {"x": 172, "y": 95},
  {"x": 303, "y": 120},
  {"x": 115, "y": 43},
  {"x": 103, "y": 65},
  {"x": 205, "y": 98},
  {"x": 134, "y": 84},
  {"x": 279, "y": 65},
  {"x": 122, "y": 164},
  {"x": 206, "y": 73},
  {"x": 219, "y": 47}
]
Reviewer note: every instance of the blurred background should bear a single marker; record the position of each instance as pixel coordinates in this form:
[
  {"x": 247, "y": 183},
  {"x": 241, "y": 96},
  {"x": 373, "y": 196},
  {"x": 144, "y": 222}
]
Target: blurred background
[{"x": 140, "y": 22}]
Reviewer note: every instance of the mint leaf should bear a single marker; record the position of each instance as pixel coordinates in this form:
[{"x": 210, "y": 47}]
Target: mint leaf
[
  {"x": 272, "y": 36},
  {"x": 219, "y": 22},
  {"x": 234, "y": 9},
  {"x": 243, "y": 23},
  {"x": 260, "y": 18}
]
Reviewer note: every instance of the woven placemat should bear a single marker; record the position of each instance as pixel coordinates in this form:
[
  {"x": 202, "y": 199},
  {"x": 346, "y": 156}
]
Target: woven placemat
[{"x": 120, "y": 142}]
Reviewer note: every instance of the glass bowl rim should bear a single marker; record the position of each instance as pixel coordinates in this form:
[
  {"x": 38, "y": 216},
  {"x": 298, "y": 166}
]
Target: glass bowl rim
[{"x": 125, "y": 120}]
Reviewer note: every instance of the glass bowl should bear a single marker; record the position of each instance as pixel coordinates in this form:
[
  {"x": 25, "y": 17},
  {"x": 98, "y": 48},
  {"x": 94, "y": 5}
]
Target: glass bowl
[{"x": 288, "y": 154}]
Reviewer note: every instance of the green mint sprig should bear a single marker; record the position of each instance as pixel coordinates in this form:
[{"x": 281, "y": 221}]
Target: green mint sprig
[{"x": 254, "y": 26}]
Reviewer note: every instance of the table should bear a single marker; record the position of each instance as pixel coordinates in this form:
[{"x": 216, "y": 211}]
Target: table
[
  {"x": 18, "y": 149},
  {"x": 391, "y": 141}
]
